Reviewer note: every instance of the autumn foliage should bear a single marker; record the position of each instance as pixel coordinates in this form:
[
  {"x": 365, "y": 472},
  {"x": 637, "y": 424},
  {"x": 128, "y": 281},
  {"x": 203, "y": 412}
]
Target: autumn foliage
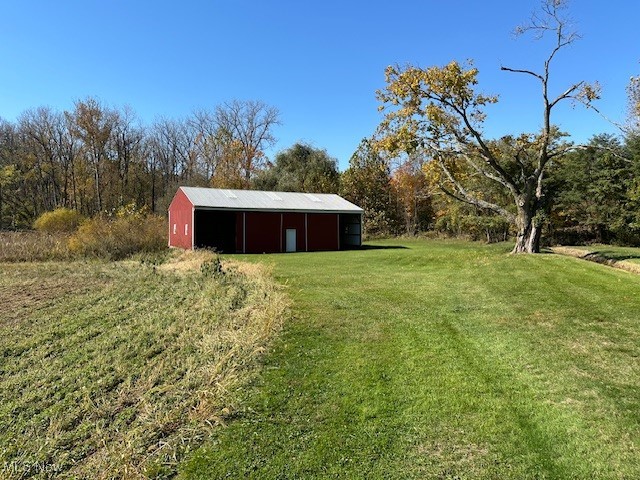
[
  {"x": 127, "y": 231},
  {"x": 59, "y": 220}
]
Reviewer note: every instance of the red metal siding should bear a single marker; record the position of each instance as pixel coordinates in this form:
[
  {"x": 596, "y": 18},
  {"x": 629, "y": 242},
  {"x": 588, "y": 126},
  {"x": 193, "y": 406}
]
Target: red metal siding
[
  {"x": 294, "y": 220},
  {"x": 263, "y": 232},
  {"x": 322, "y": 231},
  {"x": 180, "y": 214}
]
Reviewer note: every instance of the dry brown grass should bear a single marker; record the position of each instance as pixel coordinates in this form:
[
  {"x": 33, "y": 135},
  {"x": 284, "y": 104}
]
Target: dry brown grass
[
  {"x": 115, "y": 238},
  {"x": 32, "y": 246},
  {"x": 186, "y": 261},
  {"x": 106, "y": 238}
]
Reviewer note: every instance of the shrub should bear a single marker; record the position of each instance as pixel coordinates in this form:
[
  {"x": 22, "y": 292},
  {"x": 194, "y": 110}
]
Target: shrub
[
  {"x": 120, "y": 236},
  {"x": 472, "y": 226},
  {"x": 59, "y": 220},
  {"x": 212, "y": 268}
]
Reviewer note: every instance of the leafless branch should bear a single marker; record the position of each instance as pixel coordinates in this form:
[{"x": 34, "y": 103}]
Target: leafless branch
[
  {"x": 527, "y": 72},
  {"x": 567, "y": 94},
  {"x": 603, "y": 148},
  {"x": 488, "y": 156}
]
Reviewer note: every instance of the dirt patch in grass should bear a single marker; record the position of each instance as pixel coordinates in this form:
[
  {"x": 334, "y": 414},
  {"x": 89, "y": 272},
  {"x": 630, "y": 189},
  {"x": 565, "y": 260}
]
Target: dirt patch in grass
[
  {"x": 23, "y": 291},
  {"x": 462, "y": 453},
  {"x": 19, "y": 300}
]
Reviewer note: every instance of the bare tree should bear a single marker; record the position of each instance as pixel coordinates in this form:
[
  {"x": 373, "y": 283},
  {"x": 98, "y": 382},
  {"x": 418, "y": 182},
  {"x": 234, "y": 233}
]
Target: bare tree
[
  {"x": 250, "y": 124},
  {"x": 93, "y": 124},
  {"x": 633, "y": 107},
  {"x": 8, "y": 171},
  {"x": 126, "y": 137},
  {"x": 41, "y": 152},
  {"x": 207, "y": 145}
]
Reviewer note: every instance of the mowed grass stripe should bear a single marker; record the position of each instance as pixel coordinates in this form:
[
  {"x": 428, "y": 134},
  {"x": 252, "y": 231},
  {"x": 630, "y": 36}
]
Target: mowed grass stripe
[{"x": 442, "y": 360}]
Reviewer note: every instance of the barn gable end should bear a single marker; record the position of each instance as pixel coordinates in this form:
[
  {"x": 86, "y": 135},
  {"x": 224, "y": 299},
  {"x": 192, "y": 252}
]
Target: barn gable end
[{"x": 181, "y": 221}]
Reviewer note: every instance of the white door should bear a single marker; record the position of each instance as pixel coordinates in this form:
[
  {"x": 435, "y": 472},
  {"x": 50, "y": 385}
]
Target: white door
[{"x": 291, "y": 240}]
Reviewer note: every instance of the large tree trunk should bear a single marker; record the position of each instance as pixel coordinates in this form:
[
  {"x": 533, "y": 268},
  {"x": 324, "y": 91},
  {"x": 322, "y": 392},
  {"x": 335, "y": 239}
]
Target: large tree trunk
[{"x": 528, "y": 239}]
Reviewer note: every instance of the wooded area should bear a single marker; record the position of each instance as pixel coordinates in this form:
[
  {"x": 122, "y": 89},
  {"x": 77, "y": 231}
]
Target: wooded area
[{"x": 96, "y": 158}]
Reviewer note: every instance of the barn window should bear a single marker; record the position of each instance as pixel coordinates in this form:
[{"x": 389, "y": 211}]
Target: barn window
[
  {"x": 175, "y": 228},
  {"x": 186, "y": 228}
]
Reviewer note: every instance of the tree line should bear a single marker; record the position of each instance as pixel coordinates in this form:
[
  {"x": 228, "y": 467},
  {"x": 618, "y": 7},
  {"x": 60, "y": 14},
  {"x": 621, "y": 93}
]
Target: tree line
[{"x": 94, "y": 158}]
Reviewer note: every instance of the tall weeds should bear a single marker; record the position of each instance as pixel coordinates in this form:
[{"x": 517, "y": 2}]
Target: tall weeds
[
  {"x": 119, "y": 237},
  {"x": 63, "y": 234},
  {"x": 32, "y": 246}
]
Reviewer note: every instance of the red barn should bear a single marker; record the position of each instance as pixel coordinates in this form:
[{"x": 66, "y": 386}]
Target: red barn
[{"x": 251, "y": 221}]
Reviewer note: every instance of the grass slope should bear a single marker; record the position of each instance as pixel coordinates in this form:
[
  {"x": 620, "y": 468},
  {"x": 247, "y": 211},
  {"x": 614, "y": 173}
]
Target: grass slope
[
  {"x": 442, "y": 360},
  {"x": 116, "y": 370}
]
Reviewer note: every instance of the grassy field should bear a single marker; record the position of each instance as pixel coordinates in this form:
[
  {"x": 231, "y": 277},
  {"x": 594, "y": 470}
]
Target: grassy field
[
  {"x": 424, "y": 359},
  {"x": 117, "y": 370}
]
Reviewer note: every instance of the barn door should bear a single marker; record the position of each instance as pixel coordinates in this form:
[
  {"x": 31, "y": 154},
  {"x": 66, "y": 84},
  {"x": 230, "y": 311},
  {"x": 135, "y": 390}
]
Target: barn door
[{"x": 290, "y": 240}]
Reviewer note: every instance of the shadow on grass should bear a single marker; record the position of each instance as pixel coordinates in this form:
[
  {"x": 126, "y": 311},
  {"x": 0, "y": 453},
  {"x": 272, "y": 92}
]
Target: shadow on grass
[
  {"x": 381, "y": 247},
  {"x": 616, "y": 256}
]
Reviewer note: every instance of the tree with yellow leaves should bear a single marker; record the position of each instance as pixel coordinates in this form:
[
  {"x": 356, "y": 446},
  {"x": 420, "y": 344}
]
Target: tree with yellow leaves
[{"x": 438, "y": 112}]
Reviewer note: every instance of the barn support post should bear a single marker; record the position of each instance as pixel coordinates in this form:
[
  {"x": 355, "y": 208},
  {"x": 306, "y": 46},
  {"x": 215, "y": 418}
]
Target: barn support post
[
  {"x": 193, "y": 222},
  {"x": 281, "y": 227},
  {"x": 244, "y": 232},
  {"x": 306, "y": 241}
]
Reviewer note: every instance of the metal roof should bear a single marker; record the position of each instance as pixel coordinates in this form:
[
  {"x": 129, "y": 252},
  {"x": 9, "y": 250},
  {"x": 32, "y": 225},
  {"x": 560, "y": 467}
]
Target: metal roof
[{"x": 223, "y": 199}]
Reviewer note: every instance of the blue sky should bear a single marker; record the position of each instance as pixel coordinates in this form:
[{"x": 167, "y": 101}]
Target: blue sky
[{"x": 319, "y": 63}]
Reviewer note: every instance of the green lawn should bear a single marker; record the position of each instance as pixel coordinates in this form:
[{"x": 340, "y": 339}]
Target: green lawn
[{"x": 424, "y": 359}]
